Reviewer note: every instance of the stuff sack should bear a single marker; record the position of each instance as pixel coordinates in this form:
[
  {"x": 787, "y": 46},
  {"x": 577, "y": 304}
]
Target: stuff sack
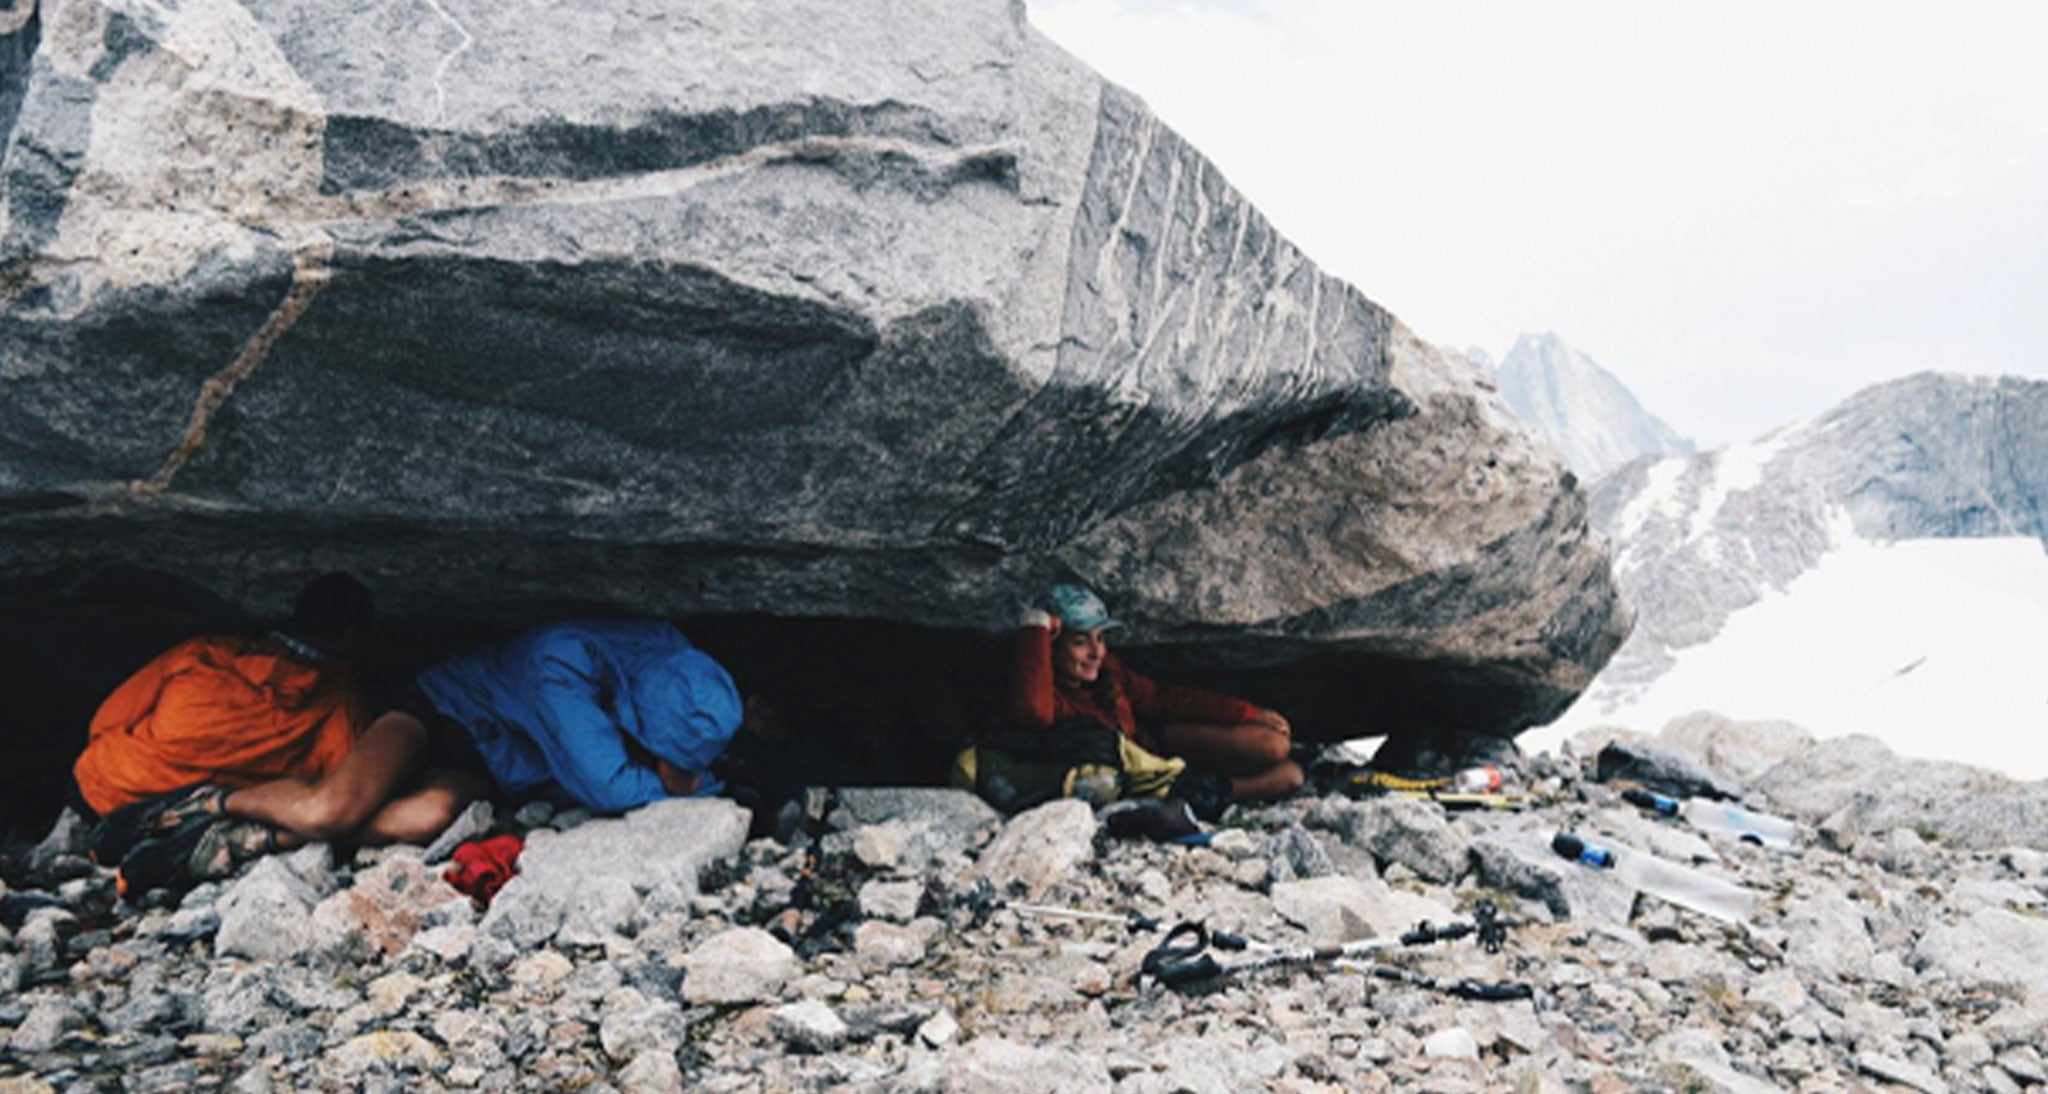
[{"x": 1072, "y": 758}]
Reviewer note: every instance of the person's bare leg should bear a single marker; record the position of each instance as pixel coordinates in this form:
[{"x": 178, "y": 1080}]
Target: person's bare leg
[
  {"x": 1253, "y": 755},
  {"x": 346, "y": 798},
  {"x": 420, "y": 814},
  {"x": 1278, "y": 781},
  {"x": 1247, "y": 749}
]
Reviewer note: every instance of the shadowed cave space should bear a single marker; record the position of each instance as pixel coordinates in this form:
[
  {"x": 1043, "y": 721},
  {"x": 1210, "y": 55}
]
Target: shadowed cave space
[{"x": 858, "y": 701}]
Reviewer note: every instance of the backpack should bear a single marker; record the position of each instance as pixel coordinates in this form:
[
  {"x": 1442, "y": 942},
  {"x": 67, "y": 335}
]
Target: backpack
[{"x": 1073, "y": 758}]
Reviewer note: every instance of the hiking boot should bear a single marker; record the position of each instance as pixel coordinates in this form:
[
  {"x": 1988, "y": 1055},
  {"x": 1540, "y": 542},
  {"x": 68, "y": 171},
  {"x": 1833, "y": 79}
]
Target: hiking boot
[
  {"x": 204, "y": 848},
  {"x": 128, "y": 827}
]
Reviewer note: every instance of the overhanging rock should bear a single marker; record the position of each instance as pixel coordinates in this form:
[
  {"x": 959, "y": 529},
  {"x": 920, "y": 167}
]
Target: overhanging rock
[{"x": 863, "y": 310}]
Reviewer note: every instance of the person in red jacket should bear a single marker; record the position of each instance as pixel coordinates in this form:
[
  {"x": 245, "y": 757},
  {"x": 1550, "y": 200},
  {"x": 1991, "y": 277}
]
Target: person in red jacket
[{"x": 1063, "y": 669}]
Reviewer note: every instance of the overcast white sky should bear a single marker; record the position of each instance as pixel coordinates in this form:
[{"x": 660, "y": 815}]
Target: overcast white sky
[{"x": 1747, "y": 210}]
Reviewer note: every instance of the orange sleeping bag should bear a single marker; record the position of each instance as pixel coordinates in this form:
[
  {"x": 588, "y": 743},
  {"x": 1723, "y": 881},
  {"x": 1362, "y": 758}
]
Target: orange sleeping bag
[{"x": 228, "y": 710}]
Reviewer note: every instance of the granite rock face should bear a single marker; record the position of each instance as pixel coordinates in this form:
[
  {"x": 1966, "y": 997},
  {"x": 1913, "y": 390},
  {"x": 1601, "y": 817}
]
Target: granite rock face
[{"x": 874, "y": 310}]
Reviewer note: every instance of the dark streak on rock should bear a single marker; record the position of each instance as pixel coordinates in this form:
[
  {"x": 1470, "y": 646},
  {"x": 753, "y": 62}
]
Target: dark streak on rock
[{"x": 367, "y": 153}]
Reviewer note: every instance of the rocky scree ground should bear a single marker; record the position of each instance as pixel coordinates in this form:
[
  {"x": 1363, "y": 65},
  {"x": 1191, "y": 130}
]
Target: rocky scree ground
[{"x": 664, "y": 951}]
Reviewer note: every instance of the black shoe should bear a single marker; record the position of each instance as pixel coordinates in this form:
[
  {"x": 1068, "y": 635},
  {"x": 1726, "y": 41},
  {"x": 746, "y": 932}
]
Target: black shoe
[
  {"x": 202, "y": 849},
  {"x": 128, "y": 827}
]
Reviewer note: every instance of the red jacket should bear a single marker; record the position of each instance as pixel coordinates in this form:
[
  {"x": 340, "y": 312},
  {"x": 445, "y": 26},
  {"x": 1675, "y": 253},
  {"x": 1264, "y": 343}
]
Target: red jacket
[{"x": 1037, "y": 699}]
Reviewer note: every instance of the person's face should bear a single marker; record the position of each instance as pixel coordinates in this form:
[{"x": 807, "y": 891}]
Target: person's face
[{"x": 1077, "y": 656}]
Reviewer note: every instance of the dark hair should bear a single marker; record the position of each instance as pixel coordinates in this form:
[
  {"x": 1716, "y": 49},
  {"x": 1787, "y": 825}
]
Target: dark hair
[{"x": 331, "y": 605}]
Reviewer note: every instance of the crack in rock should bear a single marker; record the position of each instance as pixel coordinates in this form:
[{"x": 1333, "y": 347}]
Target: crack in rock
[
  {"x": 310, "y": 274},
  {"x": 441, "y": 70}
]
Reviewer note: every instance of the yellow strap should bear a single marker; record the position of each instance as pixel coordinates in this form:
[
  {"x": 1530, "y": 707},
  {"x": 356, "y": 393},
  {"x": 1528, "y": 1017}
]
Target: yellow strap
[{"x": 1385, "y": 781}]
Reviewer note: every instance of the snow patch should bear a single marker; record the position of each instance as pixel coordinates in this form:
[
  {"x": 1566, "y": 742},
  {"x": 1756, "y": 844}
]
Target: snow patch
[
  {"x": 1931, "y": 645},
  {"x": 1659, "y": 495},
  {"x": 1731, "y": 471}
]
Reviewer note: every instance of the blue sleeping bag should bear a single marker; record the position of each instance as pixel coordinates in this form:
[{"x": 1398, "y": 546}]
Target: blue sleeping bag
[{"x": 552, "y": 710}]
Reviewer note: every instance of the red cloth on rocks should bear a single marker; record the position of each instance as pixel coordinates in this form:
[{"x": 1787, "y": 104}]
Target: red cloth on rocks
[{"x": 483, "y": 866}]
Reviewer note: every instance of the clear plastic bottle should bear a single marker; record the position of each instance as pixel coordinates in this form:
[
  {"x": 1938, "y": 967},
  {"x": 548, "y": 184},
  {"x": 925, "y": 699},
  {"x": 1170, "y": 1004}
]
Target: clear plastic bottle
[
  {"x": 1725, "y": 818},
  {"x": 1681, "y": 885}
]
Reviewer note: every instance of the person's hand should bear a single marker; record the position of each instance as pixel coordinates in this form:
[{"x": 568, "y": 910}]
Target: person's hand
[
  {"x": 676, "y": 781},
  {"x": 1272, "y": 720},
  {"x": 1038, "y": 617}
]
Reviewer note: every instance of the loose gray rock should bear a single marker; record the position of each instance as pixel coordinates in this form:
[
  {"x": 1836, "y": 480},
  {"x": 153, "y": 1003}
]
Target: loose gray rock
[
  {"x": 741, "y": 965},
  {"x": 1986, "y": 949},
  {"x": 886, "y": 945},
  {"x": 1039, "y": 848},
  {"x": 652, "y": 1072},
  {"x": 1521, "y": 862},
  {"x": 995, "y": 1065},
  {"x": 1344, "y": 909},
  {"x": 69, "y": 836},
  {"x": 945, "y": 810},
  {"x": 605, "y": 910},
  {"x": 666, "y": 844},
  {"x": 939, "y": 1030},
  {"x": 266, "y": 914},
  {"x": 1742, "y": 751},
  {"x": 1860, "y": 787},
  {"x": 1455, "y": 1043},
  {"x": 46, "y": 1026},
  {"x": 1663, "y": 770},
  {"x": 809, "y": 1026},
  {"x": 1893, "y": 1070},
  {"x": 896, "y": 901},
  {"x": 1197, "y": 1065},
  {"x": 385, "y": 907},
  {"x": 1295, "y": 853},
  {"x": 634, "y": 1024},
  {"x": 1412, "y": 833},
  {"x": 41, "y": 940}
]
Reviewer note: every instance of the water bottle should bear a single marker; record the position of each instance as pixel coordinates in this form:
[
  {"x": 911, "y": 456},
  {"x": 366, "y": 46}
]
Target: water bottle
[
  {"x": 1578, "y": 850},
  {"x": 1723, "y": 817},
  {"x": 1645, "y": 872},
  {"x": 1484, "y": 779}
]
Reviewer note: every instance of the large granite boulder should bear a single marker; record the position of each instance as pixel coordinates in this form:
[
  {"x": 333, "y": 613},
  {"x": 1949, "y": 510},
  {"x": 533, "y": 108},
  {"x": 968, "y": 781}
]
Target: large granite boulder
[{"x": 858, "y": 310}]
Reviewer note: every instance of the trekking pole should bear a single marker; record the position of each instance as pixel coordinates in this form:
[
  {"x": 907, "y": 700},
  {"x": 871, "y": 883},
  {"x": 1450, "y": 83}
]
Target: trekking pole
[
  {"x": 1183, "y": 956},
  {"x": 1482, "y": 991},
  {"x": 982, "y": 902}
]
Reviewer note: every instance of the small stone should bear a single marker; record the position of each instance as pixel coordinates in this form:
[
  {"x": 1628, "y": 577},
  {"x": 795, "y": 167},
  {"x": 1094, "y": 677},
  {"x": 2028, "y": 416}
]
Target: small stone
[
  {"x": 1894, "y": 1070},
  {"x": 741, "y": 965},
  {"x": 887, "y": 945},
  {"x": 1234, "y": 843},
  {"x": 2024, "y": 1063},
  {"x": 1455, "y": 1043},
  {"x": 604, "y": 909},
  {"x": 939, "y": 1030},
  {"x": 892, "y": 900},
  {"x": 542, "y": 970},
  {"x": 634, "y": 1024},
  {"x": 386, "y": 1050},
  {"x": 212, "y": 1044},
  {"x": 652, "y": 1072},
  {"x": 46, "y": 1026},
  {"x": 809, "y": 1026}
]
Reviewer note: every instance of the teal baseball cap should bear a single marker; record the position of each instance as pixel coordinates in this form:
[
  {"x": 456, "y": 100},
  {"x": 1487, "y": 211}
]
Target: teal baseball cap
[{"x": 1078, "y": 607}]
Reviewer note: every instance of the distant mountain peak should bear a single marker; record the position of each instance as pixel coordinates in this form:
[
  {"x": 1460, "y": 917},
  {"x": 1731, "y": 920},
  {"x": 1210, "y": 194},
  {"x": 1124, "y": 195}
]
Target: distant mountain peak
[{"x": 1585, "y": 411}]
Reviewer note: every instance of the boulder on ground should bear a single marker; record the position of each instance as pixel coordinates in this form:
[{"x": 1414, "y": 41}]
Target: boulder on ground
[{"x": 809, "y": 310}]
